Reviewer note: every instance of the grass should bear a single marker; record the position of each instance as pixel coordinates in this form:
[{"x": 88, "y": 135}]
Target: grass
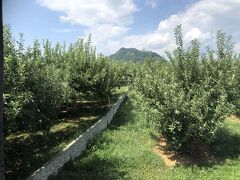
[
  {"x": 26, "y": 153},
  {"x": 125, "y": 151}
]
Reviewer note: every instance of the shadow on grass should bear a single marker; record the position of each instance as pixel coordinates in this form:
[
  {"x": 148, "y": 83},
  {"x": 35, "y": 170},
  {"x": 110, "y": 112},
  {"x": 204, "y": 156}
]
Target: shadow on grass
[
  {"x": 123, "y": 116},
  {"x": 91, "y": 166},
  {"x": 25, "y": 155},
  {"x": 92, "y": 169},
  {"x": 154, "y": 136},
  {"x": 86, "y": 108},
  {"x": 226, "y": 146}
]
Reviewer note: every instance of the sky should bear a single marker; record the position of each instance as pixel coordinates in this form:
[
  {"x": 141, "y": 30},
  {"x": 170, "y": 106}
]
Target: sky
[{"x": 142, "y": 24}]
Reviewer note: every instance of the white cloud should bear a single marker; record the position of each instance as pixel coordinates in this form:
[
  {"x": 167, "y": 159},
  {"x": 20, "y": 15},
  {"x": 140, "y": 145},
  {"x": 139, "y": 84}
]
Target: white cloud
[
  {"x": 64, "y": 30},
  {"x": 237, "y": 47},
  {"x": 152, "y": 3},
  {"x": 93, "y": 12},
  {"x": 109, "y": 22},
  {"x": 105, "y": 19},
  {"x": 104, "y": 35},
  {"x": 200, "y": 20}
]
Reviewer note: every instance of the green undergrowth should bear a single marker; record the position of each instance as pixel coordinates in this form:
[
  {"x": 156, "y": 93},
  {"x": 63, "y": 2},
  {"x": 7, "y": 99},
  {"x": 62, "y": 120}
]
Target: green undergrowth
[
  {"x": 26, "y": 152},
  {"x": 125, "y": 151}
]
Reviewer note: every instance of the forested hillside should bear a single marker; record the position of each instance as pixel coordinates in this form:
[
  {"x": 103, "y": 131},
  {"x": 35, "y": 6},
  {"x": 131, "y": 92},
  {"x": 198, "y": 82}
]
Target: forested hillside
[{"x": 133, "y": 54}]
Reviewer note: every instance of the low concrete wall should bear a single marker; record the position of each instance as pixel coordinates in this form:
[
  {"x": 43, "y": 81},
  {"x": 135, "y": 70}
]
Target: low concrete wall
[{"x": 76, "y": 147}]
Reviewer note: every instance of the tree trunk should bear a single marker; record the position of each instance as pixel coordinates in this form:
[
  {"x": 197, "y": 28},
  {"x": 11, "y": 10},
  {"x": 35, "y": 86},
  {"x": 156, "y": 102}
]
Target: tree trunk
[
  {"x": 109, "y": 102},
  {"x": 2, "y": 169}
]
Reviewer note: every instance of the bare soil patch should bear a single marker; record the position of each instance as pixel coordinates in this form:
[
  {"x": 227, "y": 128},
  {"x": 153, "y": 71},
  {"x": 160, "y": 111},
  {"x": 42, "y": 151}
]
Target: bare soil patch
[
  {"x": 234, "y": 118},
  {"x": 166, "y": 155},
  {"x": 172, "y": 158}
]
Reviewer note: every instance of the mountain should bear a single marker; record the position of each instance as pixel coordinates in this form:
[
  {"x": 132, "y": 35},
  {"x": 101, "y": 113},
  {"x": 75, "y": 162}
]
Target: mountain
[{"x": 134, "y": 54}]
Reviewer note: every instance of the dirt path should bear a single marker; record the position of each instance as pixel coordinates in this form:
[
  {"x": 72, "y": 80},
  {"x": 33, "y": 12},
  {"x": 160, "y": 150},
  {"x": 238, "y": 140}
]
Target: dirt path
[{"x": 167, "y": 156}]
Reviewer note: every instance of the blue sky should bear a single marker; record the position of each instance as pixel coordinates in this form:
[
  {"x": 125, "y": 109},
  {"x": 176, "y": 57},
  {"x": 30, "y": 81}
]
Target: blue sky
[
  {"x": 37, "y": 22},
  {"x": 143, "y": 24}
]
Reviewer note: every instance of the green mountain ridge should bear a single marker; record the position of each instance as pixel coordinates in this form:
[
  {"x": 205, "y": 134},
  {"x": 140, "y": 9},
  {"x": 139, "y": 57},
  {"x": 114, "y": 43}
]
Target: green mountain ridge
[{"x": 134, "y": 54}]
